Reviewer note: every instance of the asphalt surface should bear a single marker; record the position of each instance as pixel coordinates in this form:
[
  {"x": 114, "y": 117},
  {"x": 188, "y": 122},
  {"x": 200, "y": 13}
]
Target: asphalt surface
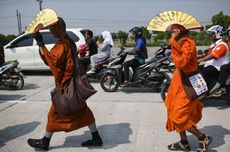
[{"x": 129, "y": 120}]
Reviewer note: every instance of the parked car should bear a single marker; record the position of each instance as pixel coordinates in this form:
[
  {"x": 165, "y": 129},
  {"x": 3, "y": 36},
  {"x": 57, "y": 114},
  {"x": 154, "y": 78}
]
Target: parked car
[{"x": 24, "y": 48}]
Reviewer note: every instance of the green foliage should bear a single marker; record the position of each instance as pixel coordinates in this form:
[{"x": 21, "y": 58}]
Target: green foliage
[
  {"x": 114, "y": 35},
  {"x": 146, "y": 33},
  {"x": 99, "y": 38},
  {"x": 221, "y": 19},
  {"x": 159, "y": 38},
  {"x": 122, "y": 36},
  {"x": 6, "y": 39}
]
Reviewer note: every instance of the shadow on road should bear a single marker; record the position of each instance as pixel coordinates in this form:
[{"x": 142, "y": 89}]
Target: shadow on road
[
  {"x": 218, "y": 134},
  {"x": 10, "y": 97},
  {"x": 137, "y": 90},
  {"x": 112, "y": 135},
  {"x": 37, "y": 72},
  {"x": 30, "y": 86},
  {"x": 12, "y": 132},
  {"x": 219, "y": 104}
]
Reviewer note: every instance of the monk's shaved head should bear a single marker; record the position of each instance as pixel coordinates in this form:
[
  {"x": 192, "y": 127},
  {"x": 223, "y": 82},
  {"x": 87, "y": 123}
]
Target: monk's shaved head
[
  {"x": 58, "y": 30},
  {"x": 61, "y": 24}
]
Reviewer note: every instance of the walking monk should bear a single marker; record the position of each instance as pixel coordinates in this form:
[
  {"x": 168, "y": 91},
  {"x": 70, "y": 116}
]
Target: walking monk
[
  {"x": 60, "y": 61},
  {"x": 183, "y": 114}
]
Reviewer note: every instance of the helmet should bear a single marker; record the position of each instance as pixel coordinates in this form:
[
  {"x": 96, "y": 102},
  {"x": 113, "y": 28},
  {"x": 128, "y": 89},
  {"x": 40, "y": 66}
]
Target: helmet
[
  {"x": 216, "y": 29},
  {"x": 225, "y": 32},
  {"x": 137, "y": 30}
]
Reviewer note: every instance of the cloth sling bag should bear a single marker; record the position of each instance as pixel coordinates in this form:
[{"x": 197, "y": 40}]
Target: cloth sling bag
[
  {"x": 194, "y": 84},
  {"x": 72, "y": 97}
]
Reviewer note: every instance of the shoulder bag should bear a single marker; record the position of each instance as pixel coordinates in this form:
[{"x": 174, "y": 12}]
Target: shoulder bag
[
  {"x": 194, "y": 84},
  {"x": 72, "y": 97}
]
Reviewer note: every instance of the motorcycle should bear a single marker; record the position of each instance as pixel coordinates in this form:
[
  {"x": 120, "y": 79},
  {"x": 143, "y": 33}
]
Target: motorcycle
[
  {"x": 142, "y": 76},
  {"x": 218, "y": 94},
  {"x": 100, "y": 68},
  {"x": 166, "y": 64},
  {"x": 11, "y": 76}
]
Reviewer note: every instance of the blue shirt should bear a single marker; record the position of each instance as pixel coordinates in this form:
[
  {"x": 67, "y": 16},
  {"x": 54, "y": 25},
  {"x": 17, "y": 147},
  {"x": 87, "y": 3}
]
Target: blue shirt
[{"x": 140, "y": 45}]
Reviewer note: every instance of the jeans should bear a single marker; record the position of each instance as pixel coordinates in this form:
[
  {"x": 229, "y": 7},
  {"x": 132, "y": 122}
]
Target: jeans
[
  {"x": 210, "y": 74},
  {"x": 131, "y": 63},
  {"x": 224, "y": 72}
]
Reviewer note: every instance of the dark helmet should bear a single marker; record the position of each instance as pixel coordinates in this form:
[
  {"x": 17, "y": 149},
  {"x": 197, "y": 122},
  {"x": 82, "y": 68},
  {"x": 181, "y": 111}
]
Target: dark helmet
[
  {"x": 137, "y": 30},
  {"x": 225, "y": 32}
]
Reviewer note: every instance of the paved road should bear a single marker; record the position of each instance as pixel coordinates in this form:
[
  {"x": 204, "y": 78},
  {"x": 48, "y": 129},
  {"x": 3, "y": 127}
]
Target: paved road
[{"x": 129, "y": 120}]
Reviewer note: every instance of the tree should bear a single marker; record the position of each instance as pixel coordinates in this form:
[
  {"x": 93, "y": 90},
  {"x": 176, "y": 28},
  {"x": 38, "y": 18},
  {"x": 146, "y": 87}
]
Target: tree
[
  {"x": 221, "y": 19},
  {"x": 146, "y": 33},
  {"x": 6, "y": 39},
  {"x": 114, "y": 35},
  {"x": 122, "y": 36}
]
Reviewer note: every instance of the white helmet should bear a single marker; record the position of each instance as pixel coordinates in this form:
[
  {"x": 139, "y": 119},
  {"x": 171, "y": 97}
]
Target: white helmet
[{"x": 216, "y": 29}]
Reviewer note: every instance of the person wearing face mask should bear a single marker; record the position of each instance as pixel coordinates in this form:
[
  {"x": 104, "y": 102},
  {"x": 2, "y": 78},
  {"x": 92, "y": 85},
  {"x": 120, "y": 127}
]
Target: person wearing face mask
[
  {"x": 217, "y": 56},
  {"x": 183, "y": 114},
  {"x": 225, "y": 68}
]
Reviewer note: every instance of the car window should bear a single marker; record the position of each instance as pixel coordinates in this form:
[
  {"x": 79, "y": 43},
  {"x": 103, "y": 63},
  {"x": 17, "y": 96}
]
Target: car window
[
  {"x": 48, "y": 38},
  {"x": 73, "y": 36},
  {"x": 23, "y": 41}
]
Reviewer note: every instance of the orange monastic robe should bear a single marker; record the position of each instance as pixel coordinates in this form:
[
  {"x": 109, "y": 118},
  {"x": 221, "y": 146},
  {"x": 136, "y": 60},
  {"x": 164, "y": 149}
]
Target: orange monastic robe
[
  {"x": 182, "y": 112},
  {"x": 61, "y": 64}
]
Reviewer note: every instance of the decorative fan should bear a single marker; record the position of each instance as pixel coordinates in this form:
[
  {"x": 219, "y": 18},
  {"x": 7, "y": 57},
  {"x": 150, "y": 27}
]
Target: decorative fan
[
  {"x": 43, "y": 19},
  {"x": 163, "y": 21}
]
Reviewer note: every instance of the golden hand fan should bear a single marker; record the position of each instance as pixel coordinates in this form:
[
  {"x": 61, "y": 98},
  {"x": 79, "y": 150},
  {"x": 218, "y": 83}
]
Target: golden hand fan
[
  {"x": 163, "y": 20},
  {"x": 43, "y": 19}
]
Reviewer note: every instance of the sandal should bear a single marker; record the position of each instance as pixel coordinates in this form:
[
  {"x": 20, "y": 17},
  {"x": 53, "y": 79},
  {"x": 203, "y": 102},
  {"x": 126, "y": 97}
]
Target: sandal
[
  {"x": 179, "y": 146},
  {"x": 203, "y": 144}
]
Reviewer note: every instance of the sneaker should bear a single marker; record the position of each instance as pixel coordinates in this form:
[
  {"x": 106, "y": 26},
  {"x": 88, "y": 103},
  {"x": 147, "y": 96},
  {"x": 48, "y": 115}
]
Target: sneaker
[
  {"x": 92, "y": 142},
  {"x": 38, "y": 144},
  {"x": 215, "y": 88},
  {"x": 90, "y": 72},
  {"x": 95, "y": 141},
  {"x": 219, "y": 92},
  {"x": 125, "y": 83}
]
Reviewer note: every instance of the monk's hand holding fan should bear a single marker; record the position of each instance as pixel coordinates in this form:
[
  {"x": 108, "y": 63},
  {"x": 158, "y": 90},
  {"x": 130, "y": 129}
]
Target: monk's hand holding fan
[{"x": 38, "y": 37}]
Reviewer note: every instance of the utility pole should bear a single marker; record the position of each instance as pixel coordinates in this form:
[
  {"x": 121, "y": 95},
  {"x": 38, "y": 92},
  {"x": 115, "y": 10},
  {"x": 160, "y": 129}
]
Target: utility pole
[
  {"x": 19, "y": 22},
  {"x": 40, "y": 4}
]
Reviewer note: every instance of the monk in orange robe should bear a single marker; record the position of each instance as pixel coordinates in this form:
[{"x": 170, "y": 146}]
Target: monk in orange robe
[
  {"x": 61, "y": 63},
  {"x": 183, "y": 114}
]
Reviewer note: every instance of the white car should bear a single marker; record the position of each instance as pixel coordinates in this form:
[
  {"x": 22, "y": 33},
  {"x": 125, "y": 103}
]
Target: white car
[{"x": 24, "y": 48}]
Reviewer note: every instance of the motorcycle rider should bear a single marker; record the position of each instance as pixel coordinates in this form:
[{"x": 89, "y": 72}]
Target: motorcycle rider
[
  {"x": 217, "y": 56},
  {"x": 214, "y": 31},
  {"x": 104, "y": 53},
  {"x": 139, "y": 51},
  {"x": 224, "y": 69},
  {"x": 90, "y": 46}
]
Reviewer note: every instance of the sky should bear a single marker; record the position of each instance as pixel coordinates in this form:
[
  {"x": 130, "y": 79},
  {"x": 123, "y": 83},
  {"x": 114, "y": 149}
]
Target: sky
[{"x": 101, "y": 15}]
